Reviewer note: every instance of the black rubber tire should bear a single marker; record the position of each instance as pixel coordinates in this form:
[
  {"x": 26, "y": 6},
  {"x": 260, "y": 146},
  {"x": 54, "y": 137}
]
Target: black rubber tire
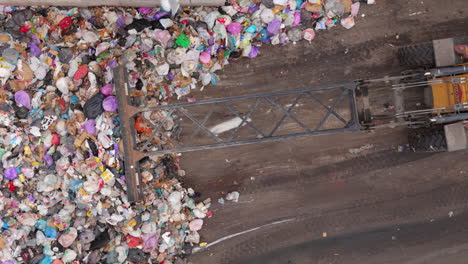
[
  {"x": 427, "y": 139},
  {"x": 417, "y": 56}
]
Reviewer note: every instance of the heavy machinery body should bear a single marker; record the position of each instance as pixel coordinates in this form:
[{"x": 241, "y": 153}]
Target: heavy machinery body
[
  {"x": 438, "y": 70},
  {"x": 448, "y": 94}
]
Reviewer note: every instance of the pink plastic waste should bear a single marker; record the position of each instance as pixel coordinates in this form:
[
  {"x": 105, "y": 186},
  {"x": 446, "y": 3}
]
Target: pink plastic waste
[
  {"x": 163, "y": 36},
  {"x": 308, "y": 34},
  {"x": 355, "y": 9},
  {"x": 196, "y": 224},
  {"x": 234, "y": 28},
  {"x": 28, "y": 172},
  {"x": 348, "y": 22},
  {"x": 145, "y": 10},
  {"x": 205, "y": 57},
  {"x": 297, "y": 19},
  {"x": 67, "y": 239},
  {"x": 55, "y": 139},
  {"x": 107, "y": 89}
]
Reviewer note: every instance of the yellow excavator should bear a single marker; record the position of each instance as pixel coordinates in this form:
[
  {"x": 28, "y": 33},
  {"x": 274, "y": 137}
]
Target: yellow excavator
[
  {"x": 439, "y": 71},
  {"x": 449, "y": 88}
]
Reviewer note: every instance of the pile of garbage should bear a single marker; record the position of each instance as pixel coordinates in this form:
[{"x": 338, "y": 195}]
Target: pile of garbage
[
  {"x": 62, "y": 182},
  {"x": 170, "y": 56}
]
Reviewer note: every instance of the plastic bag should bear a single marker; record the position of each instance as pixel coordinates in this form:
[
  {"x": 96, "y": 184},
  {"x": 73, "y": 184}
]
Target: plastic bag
[
  {"x": 274, "y": 27},
  {"x": 110, "y": 104},
  {"x": 234, "y": 28},
  {"x": 182, "y": 41},
  {"x": 93, "y": 107},
  {"x": 308, "y": 34},
  {"x": 205, "y": 57},
  {"x": 22, "y": 98},
  {"x": 90, "y": 126},
  {"x": 107, "y": 89},
  {"x": 348, "y": 22}
]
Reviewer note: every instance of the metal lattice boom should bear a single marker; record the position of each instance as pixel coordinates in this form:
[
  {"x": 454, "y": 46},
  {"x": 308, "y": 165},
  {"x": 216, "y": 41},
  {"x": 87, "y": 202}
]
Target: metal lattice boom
[{"x": 255, "y": 118}]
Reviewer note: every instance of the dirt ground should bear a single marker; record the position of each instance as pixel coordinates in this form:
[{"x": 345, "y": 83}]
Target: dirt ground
[{"x": 377, "y": 206}]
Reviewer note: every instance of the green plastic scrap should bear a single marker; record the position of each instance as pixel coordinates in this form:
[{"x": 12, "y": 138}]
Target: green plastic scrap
[{"x": 182, "y": 41}]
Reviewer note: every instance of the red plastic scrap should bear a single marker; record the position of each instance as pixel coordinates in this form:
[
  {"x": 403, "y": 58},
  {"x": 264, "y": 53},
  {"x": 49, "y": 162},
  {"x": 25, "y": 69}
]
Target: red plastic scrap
[
  {"x": 222, "y": 20},
  {"x": 65, "y": 22},
  {"x": 55, "y": 139},
  {"x": 134, "y": 241},
  {"x": 11, "y": 186},
  {"x": 81, "y": 72},
  {"x": 140, "y": 126},
  {"x": 62, "y": 104},
  {"x": 24, "y": 29},
  {"x": 101, "y": 183},
  {"x": 209, "y": 214}
]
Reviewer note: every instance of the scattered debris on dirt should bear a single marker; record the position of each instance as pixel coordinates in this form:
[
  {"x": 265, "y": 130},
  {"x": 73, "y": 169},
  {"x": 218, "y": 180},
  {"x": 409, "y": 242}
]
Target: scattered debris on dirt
[
  {"x": 361, "y": 149},
  {"x": 233, "y": 196}
]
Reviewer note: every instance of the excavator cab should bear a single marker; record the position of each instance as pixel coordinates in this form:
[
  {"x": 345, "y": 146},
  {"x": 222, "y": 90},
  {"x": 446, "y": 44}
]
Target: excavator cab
[{"x": 450, "y": 91}]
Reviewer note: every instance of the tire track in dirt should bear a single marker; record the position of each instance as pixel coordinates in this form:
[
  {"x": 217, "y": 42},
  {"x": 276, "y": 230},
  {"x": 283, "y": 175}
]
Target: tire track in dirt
[
  {"x": 355, "y": 218},
  {"x": 442, "y": 237},
  {"x": 344, "y": 170}
]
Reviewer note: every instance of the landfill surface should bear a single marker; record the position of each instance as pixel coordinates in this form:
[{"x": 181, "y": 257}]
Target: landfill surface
[
  {"x": 62, "y": 194},
  {"x": 376, "y": 206}
]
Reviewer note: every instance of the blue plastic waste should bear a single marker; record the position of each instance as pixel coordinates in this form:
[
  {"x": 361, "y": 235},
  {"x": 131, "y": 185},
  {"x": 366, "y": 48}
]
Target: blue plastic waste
[{"x": 50, "y": 232}]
